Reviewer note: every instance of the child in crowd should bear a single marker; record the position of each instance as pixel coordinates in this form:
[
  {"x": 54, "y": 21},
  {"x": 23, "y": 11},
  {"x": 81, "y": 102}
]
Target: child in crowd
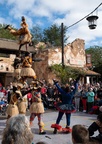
[
  {"x": 79, "y": 134},
  {"x": 17, "y": 131}
]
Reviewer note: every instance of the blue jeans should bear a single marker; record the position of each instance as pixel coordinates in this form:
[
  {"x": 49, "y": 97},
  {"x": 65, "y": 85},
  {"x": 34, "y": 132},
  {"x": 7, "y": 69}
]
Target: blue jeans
[{"x": 60, "y": 114}]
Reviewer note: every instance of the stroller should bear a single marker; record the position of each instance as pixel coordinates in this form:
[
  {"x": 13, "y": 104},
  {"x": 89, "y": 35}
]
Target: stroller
[{"x": 3, "y": 107}]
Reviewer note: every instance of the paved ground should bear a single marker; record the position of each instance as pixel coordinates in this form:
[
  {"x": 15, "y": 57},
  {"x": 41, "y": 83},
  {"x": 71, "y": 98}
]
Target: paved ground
[{"x": 49, "y": 117}]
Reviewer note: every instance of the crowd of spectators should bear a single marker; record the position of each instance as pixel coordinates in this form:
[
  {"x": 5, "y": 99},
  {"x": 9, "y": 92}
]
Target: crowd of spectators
[
  {"x": 87, "y": 96},
  {"x": 87, "y": 99}
]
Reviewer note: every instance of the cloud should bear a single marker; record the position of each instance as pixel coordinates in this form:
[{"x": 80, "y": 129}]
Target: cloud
[{"x": 47, "y": 12}]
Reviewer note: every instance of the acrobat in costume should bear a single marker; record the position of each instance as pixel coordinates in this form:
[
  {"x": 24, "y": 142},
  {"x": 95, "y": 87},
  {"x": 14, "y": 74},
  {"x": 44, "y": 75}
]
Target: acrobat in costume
[
  {"x": 37, "y": 109},
  {"x": 65, "y": 106},
  {"x": 27, "y": 70},
  {"x": 23, "y": 33},
  {"x": 12, "y": 108}
]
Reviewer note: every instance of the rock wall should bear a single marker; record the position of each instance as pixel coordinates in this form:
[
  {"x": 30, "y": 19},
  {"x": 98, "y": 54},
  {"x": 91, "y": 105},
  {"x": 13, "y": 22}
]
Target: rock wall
[
  {"x": 6, "y": 65},
  {"x": 74, "y": 55}
]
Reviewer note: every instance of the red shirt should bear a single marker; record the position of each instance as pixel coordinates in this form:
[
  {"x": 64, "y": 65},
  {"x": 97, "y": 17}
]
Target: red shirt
[
  {"x": 43, "y": 90},
  {"x": 29, "y": 95}
]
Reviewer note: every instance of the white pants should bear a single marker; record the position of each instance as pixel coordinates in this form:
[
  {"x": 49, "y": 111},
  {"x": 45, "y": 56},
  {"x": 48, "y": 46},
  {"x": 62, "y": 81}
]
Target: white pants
[{"x": 77, "y": 103}]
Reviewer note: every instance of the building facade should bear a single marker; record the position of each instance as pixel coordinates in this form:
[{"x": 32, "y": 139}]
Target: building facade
[
  {"x": 74, "y": 56},
  {"x": 8, "y": 51}
]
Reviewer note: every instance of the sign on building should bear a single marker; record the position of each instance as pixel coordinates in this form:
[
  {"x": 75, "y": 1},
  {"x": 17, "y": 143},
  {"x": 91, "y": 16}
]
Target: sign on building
[{"x": 88, "y": 60}]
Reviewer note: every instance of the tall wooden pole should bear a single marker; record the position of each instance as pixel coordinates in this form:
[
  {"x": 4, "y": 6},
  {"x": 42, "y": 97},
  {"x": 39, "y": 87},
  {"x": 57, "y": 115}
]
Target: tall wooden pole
[{"x": 62, "y": 41}]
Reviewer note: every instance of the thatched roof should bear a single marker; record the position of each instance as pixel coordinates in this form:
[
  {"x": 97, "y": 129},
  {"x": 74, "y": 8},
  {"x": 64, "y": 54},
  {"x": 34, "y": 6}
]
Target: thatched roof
[
  {"x": 13, "y": 45},
  {"x": 86, "y": 71},
  {"x": 92, "y": 73},
  {"x": 89, "y": 72}
]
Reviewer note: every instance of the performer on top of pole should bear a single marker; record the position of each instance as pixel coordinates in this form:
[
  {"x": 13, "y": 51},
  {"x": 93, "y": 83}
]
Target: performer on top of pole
[{"x": 24, "y": 34}]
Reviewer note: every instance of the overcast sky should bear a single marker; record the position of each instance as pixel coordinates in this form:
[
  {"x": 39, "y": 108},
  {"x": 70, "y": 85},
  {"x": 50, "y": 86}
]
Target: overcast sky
[{"x": 47, "y": 12}]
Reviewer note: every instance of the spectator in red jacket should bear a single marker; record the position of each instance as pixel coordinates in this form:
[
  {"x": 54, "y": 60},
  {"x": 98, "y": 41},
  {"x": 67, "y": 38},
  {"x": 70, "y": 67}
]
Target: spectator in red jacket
[{"x": 2, "y": 91}]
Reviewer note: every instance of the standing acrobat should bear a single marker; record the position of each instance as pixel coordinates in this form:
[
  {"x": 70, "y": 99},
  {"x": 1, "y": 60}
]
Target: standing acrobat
[
  {"x": 65, "y": 106},
  {"x": 23, "y": 33},
  {"x": 37, "y": 108}
]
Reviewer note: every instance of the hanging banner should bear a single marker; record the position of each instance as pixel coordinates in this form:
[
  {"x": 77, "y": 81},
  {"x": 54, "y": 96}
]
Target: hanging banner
[{"x": 88, "y": 60}]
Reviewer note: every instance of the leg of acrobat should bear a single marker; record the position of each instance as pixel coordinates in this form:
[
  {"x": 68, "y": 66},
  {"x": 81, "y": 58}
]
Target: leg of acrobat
[{"x": 41, "y": 125}]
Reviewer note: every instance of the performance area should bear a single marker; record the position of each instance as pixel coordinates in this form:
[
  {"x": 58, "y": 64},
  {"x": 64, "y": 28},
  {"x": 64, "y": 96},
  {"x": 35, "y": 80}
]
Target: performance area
[{"x": 49, "y": 117}]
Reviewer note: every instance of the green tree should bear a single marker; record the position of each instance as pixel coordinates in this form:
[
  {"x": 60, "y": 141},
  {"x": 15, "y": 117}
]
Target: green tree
[
  {"x": 5, "y": 33},
  {"x": 96, "y": 54},
  {"x": 67, "y": 72},
  {"x": 37, "y": 34},
  {"x": 53, "y": 35}
]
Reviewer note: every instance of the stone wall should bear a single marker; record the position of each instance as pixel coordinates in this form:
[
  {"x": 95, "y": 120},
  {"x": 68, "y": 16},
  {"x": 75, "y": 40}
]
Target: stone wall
[
  {"x": 41, "y": 67},
  {"x": 6, "y": 70},
  {"x": 74, "y": 55},
  {"x": 6, "y": 65}
]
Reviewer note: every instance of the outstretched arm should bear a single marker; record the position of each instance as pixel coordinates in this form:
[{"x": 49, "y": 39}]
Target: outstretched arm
[{"x": 58, "y": 87}]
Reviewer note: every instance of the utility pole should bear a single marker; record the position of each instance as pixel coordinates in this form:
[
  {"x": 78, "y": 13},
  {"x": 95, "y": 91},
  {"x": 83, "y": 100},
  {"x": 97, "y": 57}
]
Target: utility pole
[{"x": 62, "y": 41}]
